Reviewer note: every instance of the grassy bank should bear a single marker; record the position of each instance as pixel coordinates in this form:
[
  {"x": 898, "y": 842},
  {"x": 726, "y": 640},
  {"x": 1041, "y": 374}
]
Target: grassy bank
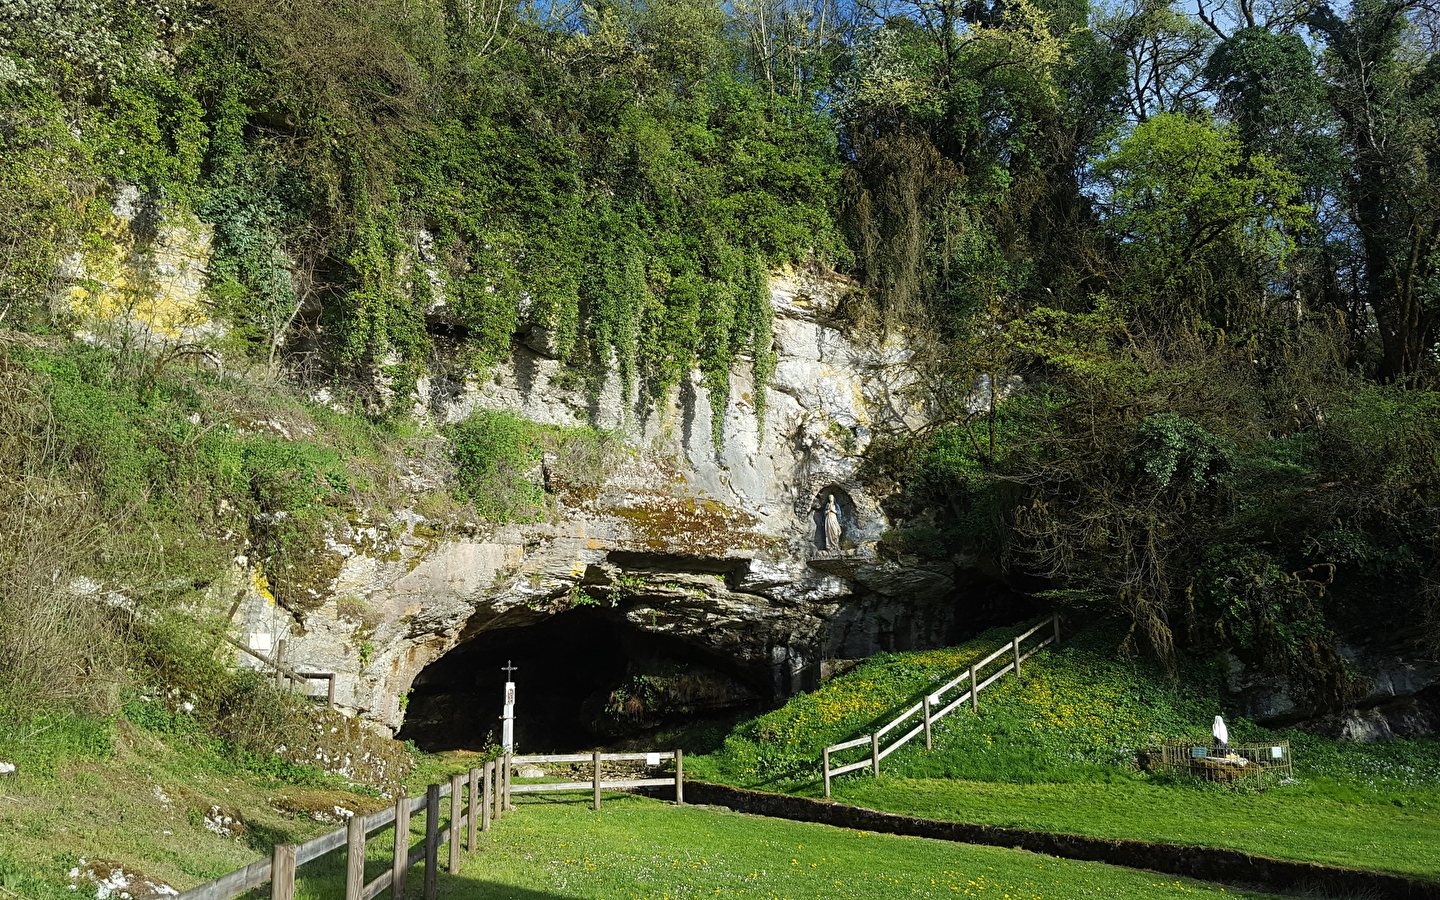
[
  {"x": 1055, "y": 750},
  {"x": 1282, "y": 824},
  {"x": 1076, "y": 714},
  {"x": 180, "y": 805},
  {"x": 117, "y": 792}
]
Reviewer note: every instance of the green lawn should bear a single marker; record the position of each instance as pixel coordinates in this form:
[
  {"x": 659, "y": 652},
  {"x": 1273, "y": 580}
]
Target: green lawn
[
  {"x": 637, "y": 848},
  {"x": 1283, "y": 825}
]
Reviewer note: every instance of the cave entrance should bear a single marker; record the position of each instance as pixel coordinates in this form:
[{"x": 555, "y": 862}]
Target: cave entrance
[{"x": 585, "y": 678}]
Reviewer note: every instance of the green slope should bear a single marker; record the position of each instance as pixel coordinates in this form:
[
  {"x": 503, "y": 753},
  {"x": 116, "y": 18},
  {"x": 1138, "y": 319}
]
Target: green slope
[{"x": 1054, "y": 750}]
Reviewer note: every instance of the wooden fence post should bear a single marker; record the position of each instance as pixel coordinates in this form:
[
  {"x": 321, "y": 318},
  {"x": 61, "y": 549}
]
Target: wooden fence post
[
  {"x": 330, "y": 692},
  {"x": 679, "y": 777},
  {"x": 485, "y": 796},
  {"x": 498, "y": 765},
  {"x": 354, "y": 857},
  {"x": 1056, "y": 619},
  {"x": 509, "y": 773},
  {"x": 1017, "y": 656},
  {"x": 597, "y": 779},
  {"x": 929, "y": 745},
  {"x": 974, "y": 691},
  {"x": 827, "y": 773},
  {"x": 457, "y": 796},
  {"x": 400, "y": 863},
  {"x": 282, "y": 872},
  {"x": 280, "y": 664},
  {"x": 875, "y": 753},
  {"x": 432, "y": 840},
  {"x": 472, "y": 813}
]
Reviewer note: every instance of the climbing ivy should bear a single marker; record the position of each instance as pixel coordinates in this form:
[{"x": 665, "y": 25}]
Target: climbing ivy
[{"x": 597, "y": 192}]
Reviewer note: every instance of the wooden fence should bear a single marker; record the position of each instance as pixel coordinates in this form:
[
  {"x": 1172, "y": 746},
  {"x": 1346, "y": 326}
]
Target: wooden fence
[
  {"x": 284, "y": 673},
  {"x": 595, "y": 783},
  {"x": 934, "y": 705},
  {"x": 476, "y": 800}
]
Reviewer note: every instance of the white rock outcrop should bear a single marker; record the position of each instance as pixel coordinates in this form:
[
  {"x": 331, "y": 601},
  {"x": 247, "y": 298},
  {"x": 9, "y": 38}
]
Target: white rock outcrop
[{"x": 715, "y": 547}]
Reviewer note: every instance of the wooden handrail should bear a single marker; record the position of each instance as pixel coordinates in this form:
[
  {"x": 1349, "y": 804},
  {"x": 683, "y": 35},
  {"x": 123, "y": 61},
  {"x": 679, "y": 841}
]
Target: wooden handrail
[{"x": 928, "y": 715}]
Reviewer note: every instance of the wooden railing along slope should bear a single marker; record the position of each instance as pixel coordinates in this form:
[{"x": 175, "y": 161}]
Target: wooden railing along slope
[{"x": 926, "y": 710}]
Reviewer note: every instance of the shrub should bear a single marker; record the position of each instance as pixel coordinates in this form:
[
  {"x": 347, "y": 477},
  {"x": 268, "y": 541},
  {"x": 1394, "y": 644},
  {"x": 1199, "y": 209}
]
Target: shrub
[{"x": 498, "y": 458}]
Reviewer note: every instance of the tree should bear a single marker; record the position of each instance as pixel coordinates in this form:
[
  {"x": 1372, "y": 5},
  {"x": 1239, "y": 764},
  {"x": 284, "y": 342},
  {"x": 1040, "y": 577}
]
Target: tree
[
  {"x": 1267, "y": 86},
  {"x": 955, "y": 120},
  {"x": 1165, "y": 51},
  {"x": 1388, "y": 104},
  {"x": 791, "y": 44},
  {"x": 1203, "y": 226}
]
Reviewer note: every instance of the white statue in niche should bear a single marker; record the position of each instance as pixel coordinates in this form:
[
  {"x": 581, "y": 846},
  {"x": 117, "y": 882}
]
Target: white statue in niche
[{"x": 832, "y": 526}]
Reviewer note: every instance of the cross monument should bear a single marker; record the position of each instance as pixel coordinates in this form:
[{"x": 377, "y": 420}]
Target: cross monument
[{"x": 507, "y": 733}]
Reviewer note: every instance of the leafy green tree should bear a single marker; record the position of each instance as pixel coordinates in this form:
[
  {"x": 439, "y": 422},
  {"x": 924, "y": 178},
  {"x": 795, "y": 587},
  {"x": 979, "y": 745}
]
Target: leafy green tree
[
  {"x": 1203, "y": 227},
  {"x": 1268, "y": 87},
  {"x": 962, "y": 139}
]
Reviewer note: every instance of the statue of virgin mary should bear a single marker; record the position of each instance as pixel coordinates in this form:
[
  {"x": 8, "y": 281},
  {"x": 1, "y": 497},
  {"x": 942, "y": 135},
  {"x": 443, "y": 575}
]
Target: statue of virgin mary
[{"x": 832, "y": 526}]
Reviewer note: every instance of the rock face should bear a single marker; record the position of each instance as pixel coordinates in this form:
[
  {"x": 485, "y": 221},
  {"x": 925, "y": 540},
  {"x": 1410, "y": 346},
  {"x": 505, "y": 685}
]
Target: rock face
[
  {"x": 1402, "y": 698},
  {"x": 702, "y": 559},
  {"x": 687, "y": 554},
  {"x": 142, "y": 285}
]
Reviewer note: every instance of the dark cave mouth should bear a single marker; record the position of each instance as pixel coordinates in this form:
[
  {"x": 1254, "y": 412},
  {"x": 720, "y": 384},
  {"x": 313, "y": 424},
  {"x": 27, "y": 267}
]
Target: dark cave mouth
[{"x": 584, "y": 678}]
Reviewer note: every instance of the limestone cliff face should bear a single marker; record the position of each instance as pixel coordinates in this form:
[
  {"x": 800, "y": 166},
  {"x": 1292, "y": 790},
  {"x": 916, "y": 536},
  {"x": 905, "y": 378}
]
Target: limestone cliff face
[
  {"x": 142, "y": 285},
  {"x": 721, "y": 550},
  {"x": 717, "y": 548}
]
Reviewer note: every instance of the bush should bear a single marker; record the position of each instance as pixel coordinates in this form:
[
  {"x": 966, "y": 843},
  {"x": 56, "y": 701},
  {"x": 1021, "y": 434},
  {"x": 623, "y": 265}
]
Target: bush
[
  {"x": 498, "y": 458},
  {"x": 116, "y": 516},
  {"x": 57, "y": 645}
]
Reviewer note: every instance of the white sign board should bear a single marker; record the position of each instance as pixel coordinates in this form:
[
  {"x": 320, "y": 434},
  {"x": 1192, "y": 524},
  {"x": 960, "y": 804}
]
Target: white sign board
[
  {"x": 260, "y": 641},
  {"x": 652, "y": 759}
]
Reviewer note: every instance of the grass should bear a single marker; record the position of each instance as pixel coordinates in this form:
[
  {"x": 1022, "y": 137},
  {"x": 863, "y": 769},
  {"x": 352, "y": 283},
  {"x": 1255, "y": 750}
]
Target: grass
[
  {"x": 1054, "y": 750},
  {"x": 1280, "y": 823},
  {"x": 113, "y": 791},
  {"x": 1074, "y": 716},
  {"x": 639, "y": 848},
  {"x": 143, "y": 806}
]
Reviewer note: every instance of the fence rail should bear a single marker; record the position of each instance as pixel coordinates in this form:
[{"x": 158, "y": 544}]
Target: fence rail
[
  {"x": 284, "y": 672},
  {"x": 596, "y": 783},
  {"x": 926, "y": 711},
  {"x": 477, "y": 799}
]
